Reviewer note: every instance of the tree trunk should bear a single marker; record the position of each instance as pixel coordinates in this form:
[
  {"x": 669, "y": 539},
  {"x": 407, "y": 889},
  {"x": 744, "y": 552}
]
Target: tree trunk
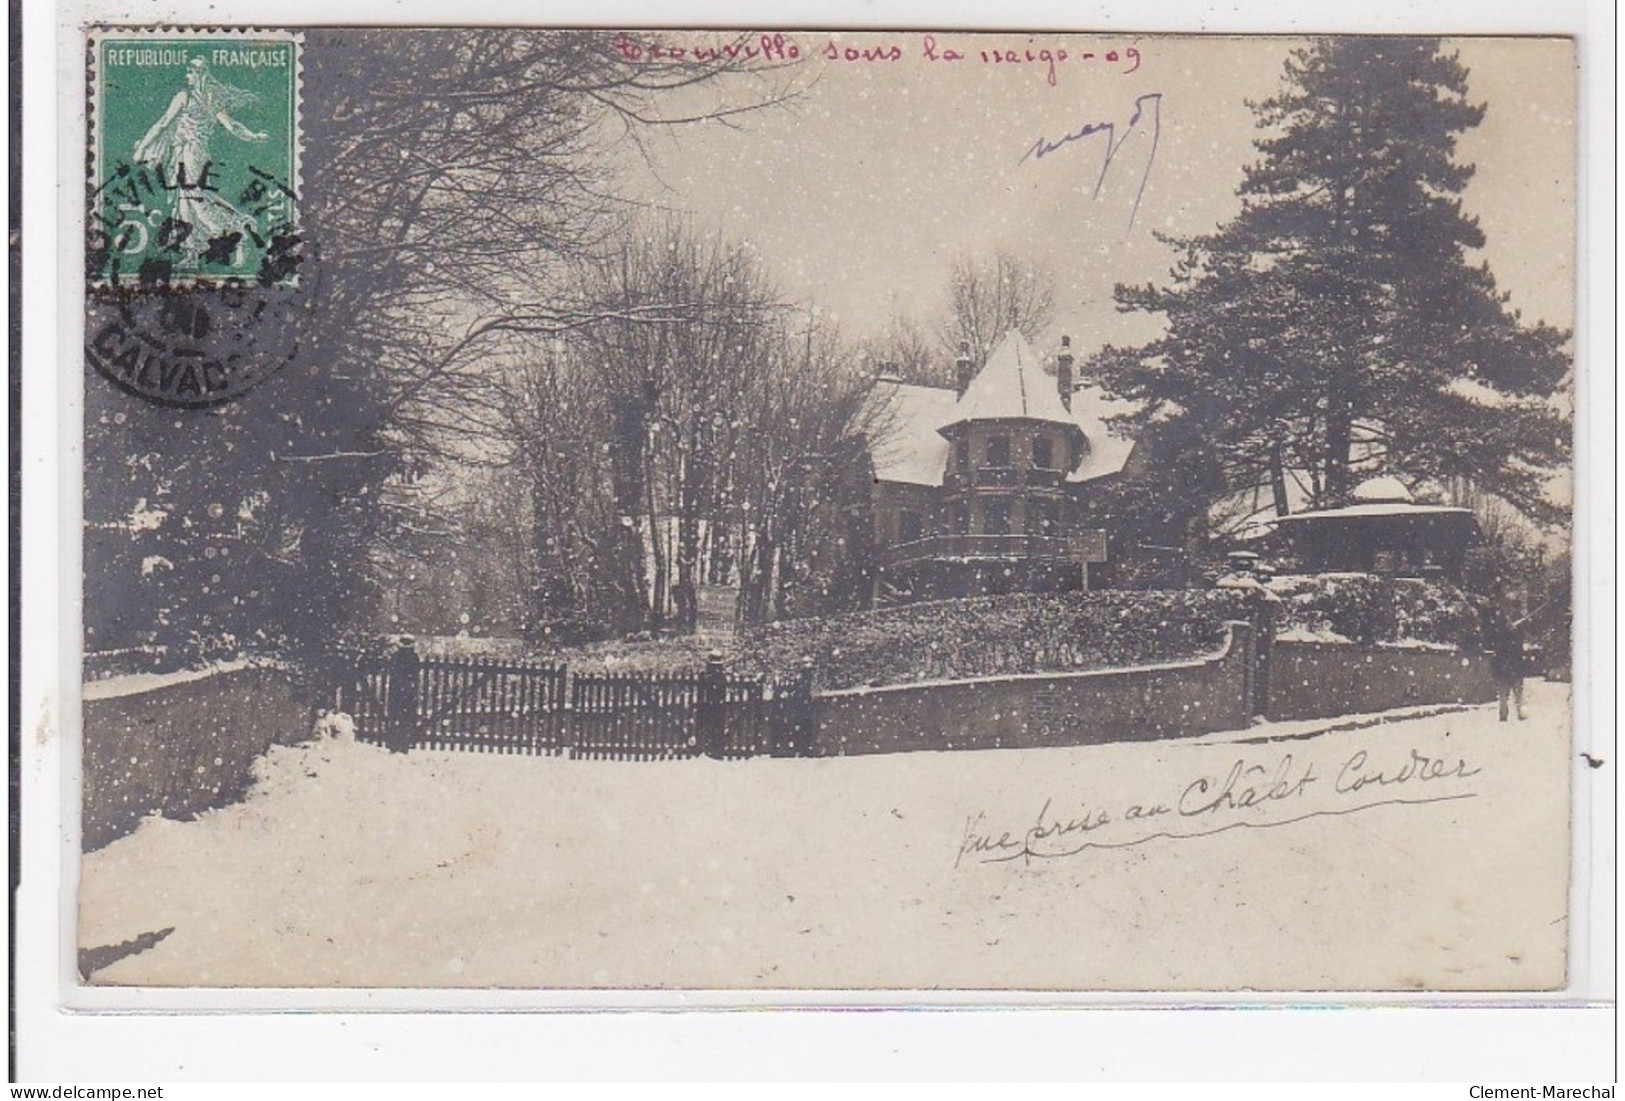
[
  {"x": 1339, "y": 441},
  {"x": 685, "y": 593},
  {"x": 1283, "y": 506},
  {"x": 761, "y": 576},
  {"x": 784, "y": 557},
  {"x": 657, "y": 546}
]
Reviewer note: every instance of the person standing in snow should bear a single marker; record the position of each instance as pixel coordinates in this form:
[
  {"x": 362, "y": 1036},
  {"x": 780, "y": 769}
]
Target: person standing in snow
[{"x": 1503, "y": 629}]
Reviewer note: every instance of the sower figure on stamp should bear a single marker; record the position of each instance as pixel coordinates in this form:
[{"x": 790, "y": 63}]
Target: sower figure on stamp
[
  {"x": 178, "y": 146},
  {"x": 1504, "y": 641}
]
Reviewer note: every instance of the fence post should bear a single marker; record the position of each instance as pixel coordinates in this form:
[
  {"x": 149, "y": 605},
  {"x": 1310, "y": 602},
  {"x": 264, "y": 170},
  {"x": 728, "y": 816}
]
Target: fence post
[
  {"x": 1263, "y": 643},
  {"x": 575, "y": 723},
  {"x": 555, "y": 718},
  {"x": 401, "y": 708},
  {"x": 1242, "y": 647},
  {"x": 795, "y": 714},
  {"x": 710, "y": 712},
  {"x": 349, "y": 685}
]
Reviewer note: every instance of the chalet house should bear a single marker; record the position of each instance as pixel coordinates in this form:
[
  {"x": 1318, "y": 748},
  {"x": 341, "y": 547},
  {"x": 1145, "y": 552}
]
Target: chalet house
[
  {"x": 983, "y": 488},
  {"x": 1384, "y": 531},
  {"x": 999, "y": 483}
]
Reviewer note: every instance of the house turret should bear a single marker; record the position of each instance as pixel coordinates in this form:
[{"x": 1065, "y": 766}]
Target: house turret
[{"x": 981, "y": 486}]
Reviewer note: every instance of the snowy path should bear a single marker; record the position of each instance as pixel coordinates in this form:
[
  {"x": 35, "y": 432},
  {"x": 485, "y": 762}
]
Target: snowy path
[{"x": 349, "y": 866}]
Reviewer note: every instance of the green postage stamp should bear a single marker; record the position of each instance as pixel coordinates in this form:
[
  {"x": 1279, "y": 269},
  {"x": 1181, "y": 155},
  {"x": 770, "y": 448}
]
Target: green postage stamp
[{"x": 195, "y": 157}]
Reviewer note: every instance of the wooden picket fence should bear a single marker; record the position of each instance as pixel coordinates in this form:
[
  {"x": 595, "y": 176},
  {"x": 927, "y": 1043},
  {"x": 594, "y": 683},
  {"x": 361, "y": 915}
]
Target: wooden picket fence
[
  {"x": 493, "y": 706},
  {"x": 648, "y": 717}
]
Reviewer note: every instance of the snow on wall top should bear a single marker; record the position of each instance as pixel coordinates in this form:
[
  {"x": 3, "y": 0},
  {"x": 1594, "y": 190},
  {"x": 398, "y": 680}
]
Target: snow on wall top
[{"x": 132, "y": 684}]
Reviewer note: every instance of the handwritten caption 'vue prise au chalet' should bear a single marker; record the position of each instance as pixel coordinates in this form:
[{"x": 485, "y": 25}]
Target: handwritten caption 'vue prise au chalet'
[{"x": 931, "y": 49}]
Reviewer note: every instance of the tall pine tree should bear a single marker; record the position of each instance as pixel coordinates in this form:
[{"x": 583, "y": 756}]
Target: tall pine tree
[{"x": 1344, "y": 311}]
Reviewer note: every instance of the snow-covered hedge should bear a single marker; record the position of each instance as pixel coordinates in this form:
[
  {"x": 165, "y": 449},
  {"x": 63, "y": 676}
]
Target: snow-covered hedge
[
  {"x": 1030, "y": 633},
  {"x": 1367, "y": 609},
  {"x": 991, "y": 636}
]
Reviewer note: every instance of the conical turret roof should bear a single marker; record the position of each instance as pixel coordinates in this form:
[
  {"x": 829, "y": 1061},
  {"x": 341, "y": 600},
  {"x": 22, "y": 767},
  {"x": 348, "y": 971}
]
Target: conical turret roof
[{"x": 1011, "y": 385}]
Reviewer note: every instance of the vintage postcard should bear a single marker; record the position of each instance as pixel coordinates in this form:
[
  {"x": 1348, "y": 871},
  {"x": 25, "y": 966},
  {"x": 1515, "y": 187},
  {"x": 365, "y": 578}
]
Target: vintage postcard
[{"x": 776, "y": 510}]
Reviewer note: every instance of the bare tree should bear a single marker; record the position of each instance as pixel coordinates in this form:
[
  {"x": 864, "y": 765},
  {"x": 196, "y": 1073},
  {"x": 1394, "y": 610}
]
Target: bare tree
[
  {"x": 905, "y": 349},
  {"x": 560, "y": 423},
  {"x": 692, "y": 432},
  {"x": 678, "y": 326},
  {"x": 450, "y": 176},
  {"x": 989, "y": 297},
  {"x": 807, "y": 415},
  {"x": 461, "y": 169}
]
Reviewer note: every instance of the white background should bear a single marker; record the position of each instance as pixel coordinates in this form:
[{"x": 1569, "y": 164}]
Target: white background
[{"x": 1558, "y": 1041}]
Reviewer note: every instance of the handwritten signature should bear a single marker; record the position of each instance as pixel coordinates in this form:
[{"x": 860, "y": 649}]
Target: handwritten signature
[
  {"x": 1150, "y": 101},
  {"x": 1215, "y": 804}
]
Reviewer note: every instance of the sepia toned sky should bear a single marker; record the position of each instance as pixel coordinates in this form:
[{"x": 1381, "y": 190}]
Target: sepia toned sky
[{"x": 861, "y": 193}]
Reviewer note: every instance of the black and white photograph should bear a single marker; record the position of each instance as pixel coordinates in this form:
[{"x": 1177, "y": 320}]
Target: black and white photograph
[{"x": 826, "y": 510}]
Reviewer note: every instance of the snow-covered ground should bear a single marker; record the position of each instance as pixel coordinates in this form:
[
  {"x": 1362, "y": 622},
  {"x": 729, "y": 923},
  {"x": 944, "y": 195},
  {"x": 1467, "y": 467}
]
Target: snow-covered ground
[{"x": 1419, "y": 852}]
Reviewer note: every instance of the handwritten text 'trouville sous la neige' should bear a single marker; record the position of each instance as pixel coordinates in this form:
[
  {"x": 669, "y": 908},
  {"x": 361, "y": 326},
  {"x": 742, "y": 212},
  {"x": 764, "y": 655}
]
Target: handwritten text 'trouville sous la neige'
[{"x": 780, "y": 48}]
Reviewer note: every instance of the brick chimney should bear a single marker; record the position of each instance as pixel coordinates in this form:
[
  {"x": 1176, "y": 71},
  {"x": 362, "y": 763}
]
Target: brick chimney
[
  {"x": 1063, "y": 372},
  {"x": 963, "y": 371}
]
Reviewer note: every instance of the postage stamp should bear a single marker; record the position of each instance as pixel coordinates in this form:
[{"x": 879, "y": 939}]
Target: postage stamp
[
  {"x": 194, "y": 244},
  {"x": 195, "y": 157}
]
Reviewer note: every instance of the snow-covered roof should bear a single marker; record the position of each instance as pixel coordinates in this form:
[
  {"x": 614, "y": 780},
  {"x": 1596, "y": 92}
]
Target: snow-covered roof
[
  {"x": 906, "y": 446},
  {"x": 1106, "y": 452},
  {"x": 1384, "y": 489},
  {"x": 1378, "y": 508},
  {"x": 1012, "y": 383},
  {"x": 1250, "y": 513}
]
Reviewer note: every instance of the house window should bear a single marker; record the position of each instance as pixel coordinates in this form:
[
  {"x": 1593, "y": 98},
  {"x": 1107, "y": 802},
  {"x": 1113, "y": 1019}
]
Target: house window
[
  {"x": 996, "y": 518},
  {"x": 1043, "y": 453},
  {"x": 909, "y": 527},
  {"x": 998, "y": 451},
  {"x": 962, "y": 456},
  {"x": 961, "y": 520}
]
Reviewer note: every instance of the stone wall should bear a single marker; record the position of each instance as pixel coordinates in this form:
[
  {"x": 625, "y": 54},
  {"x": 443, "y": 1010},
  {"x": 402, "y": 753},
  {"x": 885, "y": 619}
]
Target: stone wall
[
  {"x": 1176, "y": 700},
  {"x": 181, "y": 748},
  {"x": 1316, "y": 680}
]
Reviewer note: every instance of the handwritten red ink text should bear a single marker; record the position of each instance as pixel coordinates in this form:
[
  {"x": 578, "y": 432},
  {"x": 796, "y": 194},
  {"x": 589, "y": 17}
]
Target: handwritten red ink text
[
  {"x": 778, "y": 47},
  {"x": 767, "y": 47}
]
